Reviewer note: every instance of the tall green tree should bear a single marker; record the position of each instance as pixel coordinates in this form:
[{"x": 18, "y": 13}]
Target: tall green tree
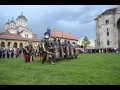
[{"x": 85, "y": 42}]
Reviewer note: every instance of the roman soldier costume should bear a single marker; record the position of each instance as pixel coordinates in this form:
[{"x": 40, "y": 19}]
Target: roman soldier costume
[
  {"x": 65, "y": 44},
  {"x": 46, "y": 50},
  {"x": 30, "y": 51}
]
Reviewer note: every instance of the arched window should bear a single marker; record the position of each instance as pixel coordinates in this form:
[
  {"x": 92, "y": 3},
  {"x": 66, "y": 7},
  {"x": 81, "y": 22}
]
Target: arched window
[
  {"x": 26, "y": 35},
  {"x": 108, "y": 42},
  {"x": 15, "y": 45},
  {"x": 107, "y": 21},
  {"x": 9, "y": 43},
  {"x": 2, "y": 44},
  {"x": 107, "y": 32},
  {"x": 21, "y": 44}
]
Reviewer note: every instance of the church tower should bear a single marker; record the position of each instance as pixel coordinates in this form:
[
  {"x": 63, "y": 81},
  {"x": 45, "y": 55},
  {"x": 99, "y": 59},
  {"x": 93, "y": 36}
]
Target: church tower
[
  {"x": 12, "y": 24},
  {"x": 21, "y": 20},
  {"x": 118, "y": 9},
  {"x": 7, "y": 25}
]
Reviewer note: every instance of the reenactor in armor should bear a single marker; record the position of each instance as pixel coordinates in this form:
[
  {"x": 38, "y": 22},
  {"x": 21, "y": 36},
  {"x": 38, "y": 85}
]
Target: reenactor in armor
[
  {"x": 76, "y": 50},
  {"x": 40, "y": 49},
  {"x": 65, "y": 44},
  {"x": 60, "y": 49},
  {"x": 71, "y": 55},
  {"x": 73, "y": 50},
  {"x": 55, "y": 45},
  {"x": 69, "y": 50},
  {"x": 46, "y": 50},
  {"x": 30, "y": 51}
]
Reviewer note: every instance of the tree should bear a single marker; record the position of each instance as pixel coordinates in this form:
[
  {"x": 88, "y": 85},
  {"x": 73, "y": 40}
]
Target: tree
[{"x": 85, "y": 42}]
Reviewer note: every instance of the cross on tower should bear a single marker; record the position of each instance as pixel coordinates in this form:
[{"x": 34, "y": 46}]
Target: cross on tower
[{"x": 22, "y": 13}]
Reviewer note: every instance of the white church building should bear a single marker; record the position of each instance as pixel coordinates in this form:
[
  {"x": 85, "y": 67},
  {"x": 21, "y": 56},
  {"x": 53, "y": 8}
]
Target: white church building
[{"x": 17, "y": 34}]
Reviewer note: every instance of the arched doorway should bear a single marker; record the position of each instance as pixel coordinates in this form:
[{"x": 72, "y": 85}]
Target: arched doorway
[
  {"x": 21, "y": 45},
  {"x": 118, "y": 26},
  {"x": 15, "y": 45},
  {"x": 9, "y": 44},
  {"x": 35, "y": 45},
  {"x": 2, "y": 44}
]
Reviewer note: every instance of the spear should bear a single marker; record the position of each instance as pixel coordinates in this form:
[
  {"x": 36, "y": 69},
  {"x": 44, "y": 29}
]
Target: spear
[{"x": 50, "y": 52}]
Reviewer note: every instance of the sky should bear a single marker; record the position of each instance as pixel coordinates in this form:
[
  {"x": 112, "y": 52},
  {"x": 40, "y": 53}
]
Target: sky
[{"x": 75, "y": 19}]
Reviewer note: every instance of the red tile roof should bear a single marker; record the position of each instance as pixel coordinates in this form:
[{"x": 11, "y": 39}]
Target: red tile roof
[
  {"x": 9, "y": 36},
  {"x": 59, "y": 34}
]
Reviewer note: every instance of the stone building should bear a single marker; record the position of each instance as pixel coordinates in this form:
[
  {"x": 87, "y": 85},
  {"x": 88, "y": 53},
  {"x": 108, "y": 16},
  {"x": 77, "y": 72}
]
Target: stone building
[
  {"x": 108, "y": 29},
  {"x": 17, "y": 34}
]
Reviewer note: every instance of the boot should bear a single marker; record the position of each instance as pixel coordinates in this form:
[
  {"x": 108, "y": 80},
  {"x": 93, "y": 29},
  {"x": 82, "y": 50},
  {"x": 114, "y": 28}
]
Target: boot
[
  {"x": 43, "y": 60},
  {"x": 30, "y": 58},
  {"x": 52, "y": 63}
]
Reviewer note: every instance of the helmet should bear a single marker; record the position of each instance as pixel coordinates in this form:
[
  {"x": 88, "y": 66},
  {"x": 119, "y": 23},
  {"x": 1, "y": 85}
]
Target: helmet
[{"x": 46, "y": 34}]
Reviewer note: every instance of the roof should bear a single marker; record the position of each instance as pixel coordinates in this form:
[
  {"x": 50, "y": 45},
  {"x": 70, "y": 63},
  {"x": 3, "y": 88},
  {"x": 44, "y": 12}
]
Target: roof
[
  {"x": 9, "y": 36},
  {"x": 12, "y": 21},
  {"x": 107, "y": 12},
  {"x": 21, "y": 17},
  {"x": 7, "y": 23},
  {"x": 65, "y": 35},
  {"x": 7, "y": 33}
]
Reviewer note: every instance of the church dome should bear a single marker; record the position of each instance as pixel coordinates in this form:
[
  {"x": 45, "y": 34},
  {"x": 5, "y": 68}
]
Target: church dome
[
  {"x": 7, "y": 23},
  {"x": 22, "y": 17},
  {"x": 12, "y": 21}
]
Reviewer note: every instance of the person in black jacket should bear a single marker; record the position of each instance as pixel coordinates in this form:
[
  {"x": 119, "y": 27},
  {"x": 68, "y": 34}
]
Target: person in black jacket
[
  {"x": 3, "y": 52},
  {"x": 12, "y": 53},
  {"x": 8, "y": 53}
]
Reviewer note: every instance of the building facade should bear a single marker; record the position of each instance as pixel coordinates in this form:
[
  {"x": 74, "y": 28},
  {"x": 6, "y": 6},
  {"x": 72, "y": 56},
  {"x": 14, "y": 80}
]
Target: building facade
[
  {"x": 90, "y": 46},
  {"x": 108, "y": 29},
  {"x": 62, "y": 35},
  {"x": 17, "y": 34}
]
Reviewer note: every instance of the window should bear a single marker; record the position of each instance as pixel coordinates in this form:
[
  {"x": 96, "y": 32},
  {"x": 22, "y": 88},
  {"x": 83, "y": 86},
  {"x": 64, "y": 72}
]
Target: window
[
  {"x": 107, "y": 21},
  {"x": 26, "y": 35},
  {"x": 107, "y": 32},
  {"x": 107, "y": 29},
  {"x": 98, "y": 43},
  {"x": 108, "y": 43}
]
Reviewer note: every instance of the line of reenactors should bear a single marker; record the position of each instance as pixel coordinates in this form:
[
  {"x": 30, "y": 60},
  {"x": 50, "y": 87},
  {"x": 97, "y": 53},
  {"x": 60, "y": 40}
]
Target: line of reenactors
[{"x": 57, "y": 50}]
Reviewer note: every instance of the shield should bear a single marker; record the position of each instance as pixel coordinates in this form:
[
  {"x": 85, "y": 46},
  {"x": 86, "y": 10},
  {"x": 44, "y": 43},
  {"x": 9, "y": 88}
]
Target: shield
[
  {"x": 72, "y": 52},
  {"x": 67, "y": 52},
  {"x": 61, "y": 51},
  {"x": 76, "y": 52},
  {"x": 57, "y": 54}
]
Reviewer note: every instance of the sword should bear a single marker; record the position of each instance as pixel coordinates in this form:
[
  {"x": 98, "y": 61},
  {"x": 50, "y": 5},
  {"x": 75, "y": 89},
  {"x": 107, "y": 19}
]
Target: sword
[{"x": 50, "y": 52}]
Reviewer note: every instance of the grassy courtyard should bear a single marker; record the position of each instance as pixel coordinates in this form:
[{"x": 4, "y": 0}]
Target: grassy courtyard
[{"x": 88, "y": 69}]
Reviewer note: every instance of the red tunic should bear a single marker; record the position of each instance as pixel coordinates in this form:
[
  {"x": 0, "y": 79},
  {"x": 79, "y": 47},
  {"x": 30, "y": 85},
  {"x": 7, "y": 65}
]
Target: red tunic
[{"x": 25, "y": 55}]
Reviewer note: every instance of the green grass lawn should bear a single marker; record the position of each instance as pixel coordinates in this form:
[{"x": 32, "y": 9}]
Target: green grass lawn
[{"x": 88, "y": 69}]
